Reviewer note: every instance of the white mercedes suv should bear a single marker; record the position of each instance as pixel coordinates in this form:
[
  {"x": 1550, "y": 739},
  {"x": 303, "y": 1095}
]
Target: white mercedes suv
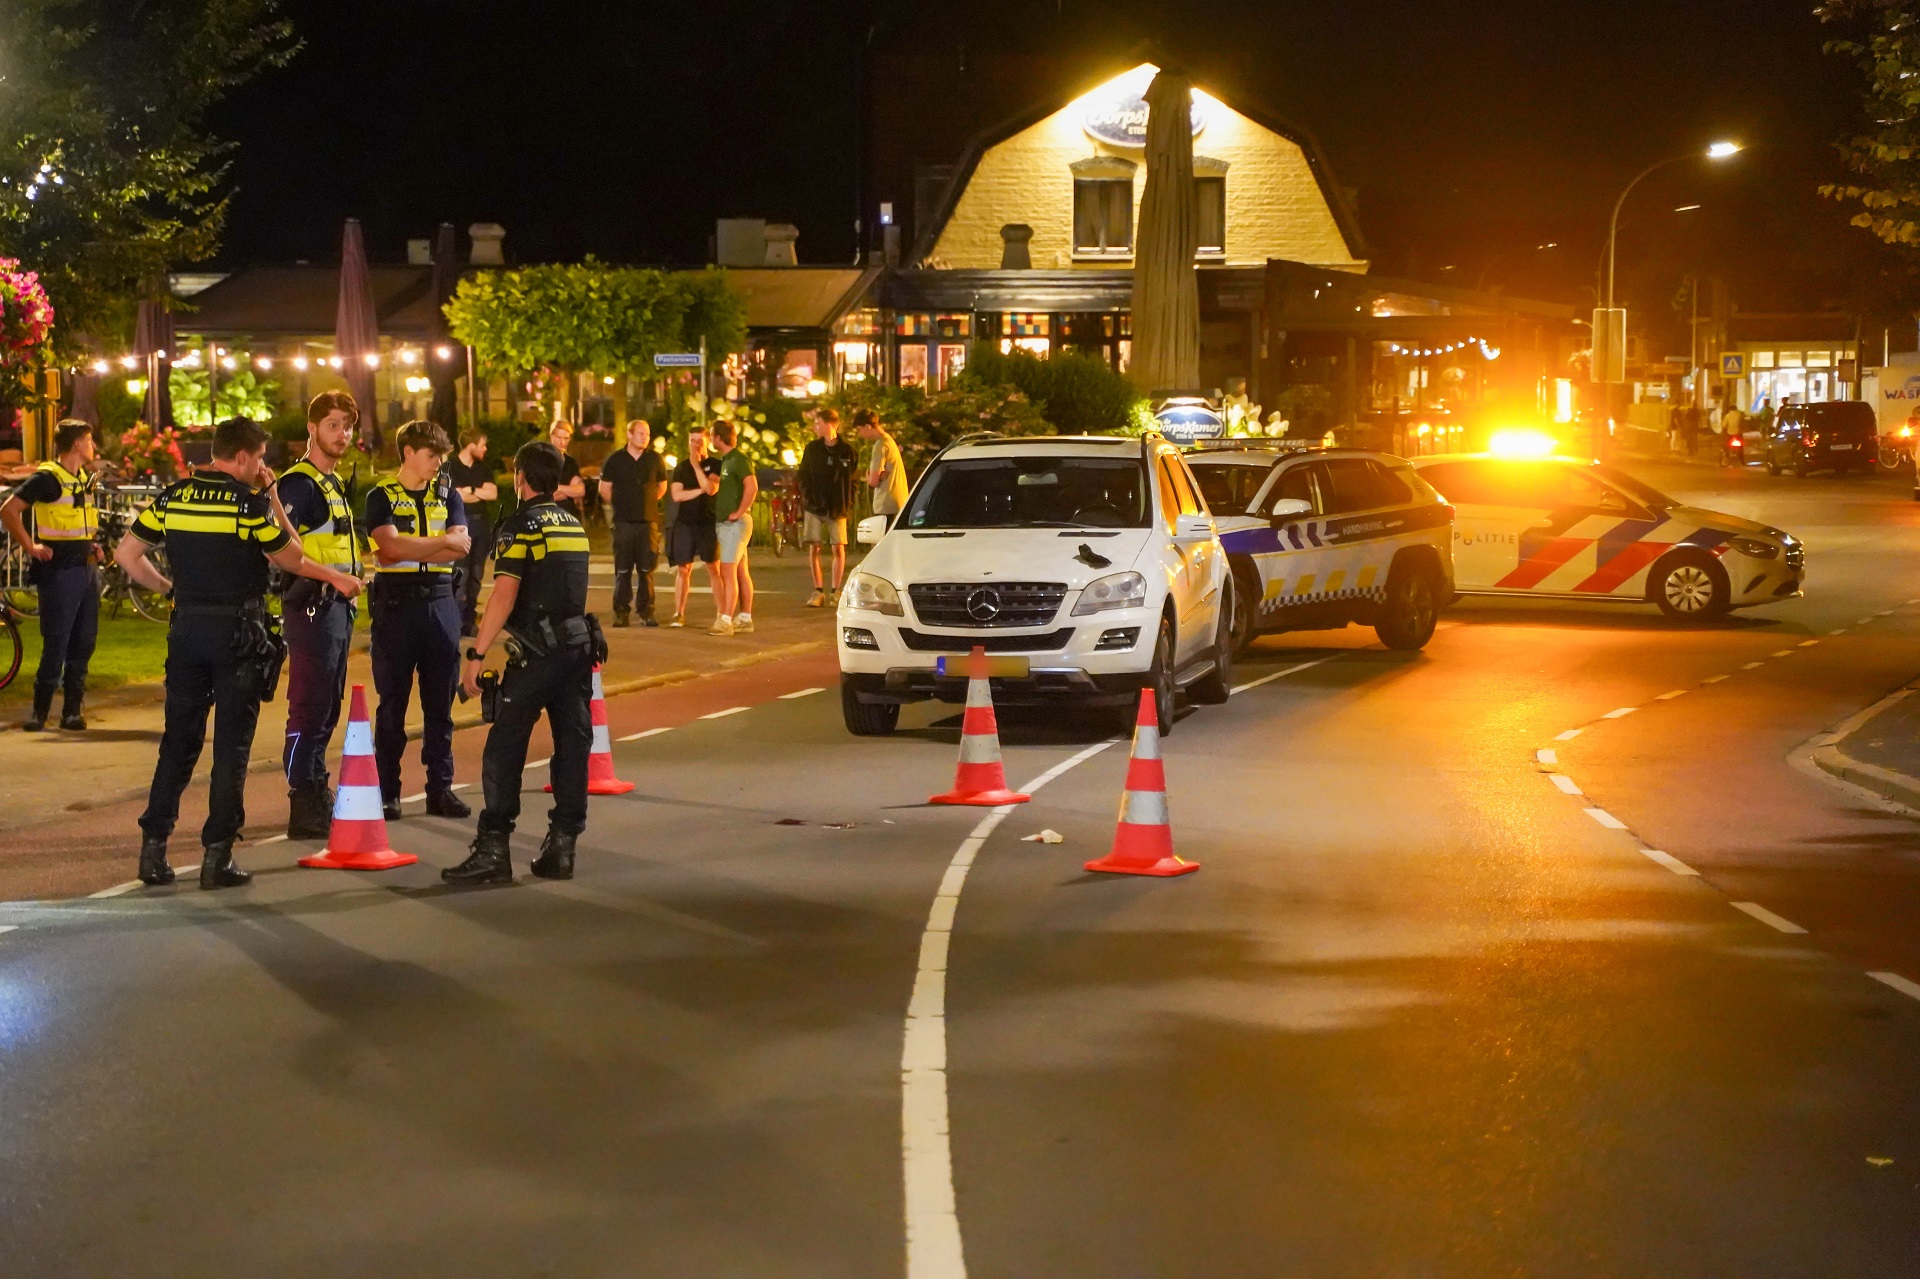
[{"x": 1086, "y": 566}]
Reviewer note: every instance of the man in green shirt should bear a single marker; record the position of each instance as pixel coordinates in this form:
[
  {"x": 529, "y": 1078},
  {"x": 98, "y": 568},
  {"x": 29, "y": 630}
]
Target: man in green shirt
[{"x": 733, "y": 509}]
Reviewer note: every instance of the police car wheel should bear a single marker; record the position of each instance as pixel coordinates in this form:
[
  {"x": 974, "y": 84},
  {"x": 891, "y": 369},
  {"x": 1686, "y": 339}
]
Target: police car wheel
[
  {"x": 1691, "y": 586},
  {"x": 1408, "y": 616},
  {"x": 867, "y": 719}
]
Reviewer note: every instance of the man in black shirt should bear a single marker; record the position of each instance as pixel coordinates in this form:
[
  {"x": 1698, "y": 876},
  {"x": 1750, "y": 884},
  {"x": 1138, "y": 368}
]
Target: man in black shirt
[
  {"x": 693, "y": 535},
  {"x": 60, "y": 555},
  {"x": 220, "y": 526},
  {"x": 827, "y": 468},
  {"x": 473, "y": 481},
  {"x": 572, "y": 490},
  {"x": 632, "y": 482}
]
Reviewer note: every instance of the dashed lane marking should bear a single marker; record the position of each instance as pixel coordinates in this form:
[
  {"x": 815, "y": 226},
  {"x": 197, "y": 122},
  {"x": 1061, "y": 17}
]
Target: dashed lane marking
[
  {"x": 413, "y": 799},
  {"x": 1767, "y": 917},
  {"x": 1667, "y": 697},
  {"x": 805, "y": 692},
  {"x": 1785, "y": 652},
  {"x": 1808, "y": 643},
  {"x": 650, "y": 732},
  {"x": 1566, "y": 784},
  {"x": 1863, "y": 621},
  {"x": 1714, "y": 679},
  {"x": 1268, "y": 679},
  {"x": 1671, "y": 862},
  {"x": 281, "y": 838},
  {"x": 8, "y": 928},
  {"x": 1841, "y": 631},
  {"x": 1605, "y": 818},
  {"x": 731, "y": 710},
  {"x": 1622, "y": 713},
  {"x": 1569, "y": 735},
  {"x": 1751, "y": 665},
  {"x": 540, "y": 763},
  {"x": 1547, "y": 757},
  {"x": 117, "y": 889},
  {"x": 1911, "y": 989}
]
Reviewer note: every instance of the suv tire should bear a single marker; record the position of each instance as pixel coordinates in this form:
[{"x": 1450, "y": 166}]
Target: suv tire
[
  {"x": 1216, "y": 686},
  {"x": 1411, "y": 609},
  {"x": 1159, "y": 678},
  {"x": 866, "y": 719}
]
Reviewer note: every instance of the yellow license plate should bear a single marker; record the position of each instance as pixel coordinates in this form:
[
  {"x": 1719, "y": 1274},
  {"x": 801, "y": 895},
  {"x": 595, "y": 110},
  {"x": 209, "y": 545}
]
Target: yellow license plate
[{"x": 997, "y": 667}]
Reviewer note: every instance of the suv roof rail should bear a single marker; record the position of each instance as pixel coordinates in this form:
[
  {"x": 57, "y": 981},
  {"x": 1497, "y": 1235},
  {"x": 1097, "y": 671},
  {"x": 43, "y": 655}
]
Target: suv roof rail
[{"x": 1283, "y": 444}]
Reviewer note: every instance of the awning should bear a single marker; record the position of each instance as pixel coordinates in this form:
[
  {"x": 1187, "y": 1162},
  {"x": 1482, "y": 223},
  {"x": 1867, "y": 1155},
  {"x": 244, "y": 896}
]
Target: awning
[
  {"x": 799, "y": 298},
  {"x": 302, "y": 301}
]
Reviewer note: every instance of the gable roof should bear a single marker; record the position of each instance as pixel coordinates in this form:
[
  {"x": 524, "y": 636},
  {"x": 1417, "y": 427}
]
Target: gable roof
[{"x": 303, "y": 301}]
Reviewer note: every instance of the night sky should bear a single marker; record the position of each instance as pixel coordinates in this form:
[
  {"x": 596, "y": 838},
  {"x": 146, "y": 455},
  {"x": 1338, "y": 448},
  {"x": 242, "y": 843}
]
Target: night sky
[{"x": 1470, "y": 131}]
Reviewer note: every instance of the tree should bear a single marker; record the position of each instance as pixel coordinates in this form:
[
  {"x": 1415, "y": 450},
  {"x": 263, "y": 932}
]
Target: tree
[
  {"x": 108, "y": 176},
  {"x": 1079, "y": 394},
  {"x": 1885, "y": 42}
]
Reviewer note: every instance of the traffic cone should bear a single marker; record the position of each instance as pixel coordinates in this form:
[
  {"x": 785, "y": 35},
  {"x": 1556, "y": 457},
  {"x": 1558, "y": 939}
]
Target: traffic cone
[
  {"x": 979, "y": 778},
  {"x": 600, "y": 778},
  {"x": 1143, "y": 841},
  {"x": 358, "y": 838}
]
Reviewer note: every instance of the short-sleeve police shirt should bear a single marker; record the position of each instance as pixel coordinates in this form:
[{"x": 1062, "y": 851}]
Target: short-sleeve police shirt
[
  {"x": 545, "y": 548},
  {"x": 218, "y": 534},
  {"x": 306, "y": 504},
  {"x": 43, "y": 486},
  {"x": 380, "y": 513}
]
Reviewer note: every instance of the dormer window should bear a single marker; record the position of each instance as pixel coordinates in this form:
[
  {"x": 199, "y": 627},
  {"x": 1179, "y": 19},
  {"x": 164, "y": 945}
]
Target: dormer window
[{"x": 1103, "y": 207}]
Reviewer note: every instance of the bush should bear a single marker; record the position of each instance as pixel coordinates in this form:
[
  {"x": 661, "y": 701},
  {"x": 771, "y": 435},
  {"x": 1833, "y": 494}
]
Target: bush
[{"x": 1079, "y": 394}]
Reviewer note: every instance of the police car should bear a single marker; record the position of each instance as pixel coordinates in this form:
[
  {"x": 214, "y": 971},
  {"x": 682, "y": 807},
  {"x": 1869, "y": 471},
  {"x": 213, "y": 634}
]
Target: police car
[
  {"x": 1571, "y": 529},
  {"x": 1321, "y": 537}
]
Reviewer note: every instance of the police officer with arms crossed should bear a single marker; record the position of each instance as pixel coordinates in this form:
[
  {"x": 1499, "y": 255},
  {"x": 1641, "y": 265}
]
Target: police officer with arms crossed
[
  {"x": 318, "y": 620},
  {"x": 60, "y": 555},
  {"x": 221, "y": 526},
  {"x": 418, "y": 526},
  {"x": 540, "y": 602}
]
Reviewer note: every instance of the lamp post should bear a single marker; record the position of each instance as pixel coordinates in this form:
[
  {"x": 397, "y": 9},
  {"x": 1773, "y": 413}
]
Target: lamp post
[{"x": 1718, "y": 151}]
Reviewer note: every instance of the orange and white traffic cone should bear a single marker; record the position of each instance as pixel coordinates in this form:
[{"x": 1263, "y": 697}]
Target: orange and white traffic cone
[
  {"x": 979, "y": 779},
  {"x": 600, "y": 775},
  {"x": 1143, "y": 841},
  {"x": 358, "y": 837}
]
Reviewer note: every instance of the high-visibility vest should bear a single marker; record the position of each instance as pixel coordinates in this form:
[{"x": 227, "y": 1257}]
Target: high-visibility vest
[
  {"x": 72, "y": 517},
  {"x": 331, "y": 543},
  {"x": 429, "y": 514}
]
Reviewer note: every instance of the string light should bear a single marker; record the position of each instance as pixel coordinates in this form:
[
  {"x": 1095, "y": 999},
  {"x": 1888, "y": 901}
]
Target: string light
[
  {"x": 372, "y": 359},
  {"x": 444, "y": 352},
  {"x": 102, "y": 368},
  {"x": 300, "y": 362},
  {"x": 263, "y": 361},
  {"x": 409, "y": 356}
]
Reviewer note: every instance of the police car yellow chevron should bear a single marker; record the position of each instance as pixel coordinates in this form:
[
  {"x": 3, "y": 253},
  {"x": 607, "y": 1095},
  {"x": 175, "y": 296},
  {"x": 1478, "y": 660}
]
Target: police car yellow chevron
[{"x": 1327, "y": 537}]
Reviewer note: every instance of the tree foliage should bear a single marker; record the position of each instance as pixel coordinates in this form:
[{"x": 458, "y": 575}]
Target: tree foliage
[
  {"x": 1079, "y": 394},
  {"x": 590, "y": 316},
  {"x": 108, "y": 175},
  {"x": 1883, "y": 38}
]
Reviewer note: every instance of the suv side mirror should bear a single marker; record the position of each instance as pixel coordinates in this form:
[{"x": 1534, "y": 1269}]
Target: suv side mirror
[
  {"x": 1194, "y": 527},
  {"x": 1289, "y": 508},
  {"x": 871, "y": 530}
]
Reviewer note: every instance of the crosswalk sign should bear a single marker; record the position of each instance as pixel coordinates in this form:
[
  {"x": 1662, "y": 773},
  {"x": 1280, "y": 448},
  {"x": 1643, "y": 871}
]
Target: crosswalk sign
[{"x": 1733, "y": 365}]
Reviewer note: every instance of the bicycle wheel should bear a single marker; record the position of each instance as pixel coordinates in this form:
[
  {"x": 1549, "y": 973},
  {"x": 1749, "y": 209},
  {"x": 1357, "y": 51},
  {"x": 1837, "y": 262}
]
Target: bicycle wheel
[
  {"x": 11, "y": 650},
  {"x": 151, "y": 605},
  {"x": 23, "y": 600}
]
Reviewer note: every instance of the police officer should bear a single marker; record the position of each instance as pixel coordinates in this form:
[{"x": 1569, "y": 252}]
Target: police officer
[
  {"x": 418, "y": 527},
  {"x": 60, "y": 553},
  {"x": 221, "y": 526},
  {"x": 539, "y": 602},
  {"x": 318, "y": 620}
]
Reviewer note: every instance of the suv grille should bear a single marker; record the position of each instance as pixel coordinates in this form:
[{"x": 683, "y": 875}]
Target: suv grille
[
  {"x": 972, "y": 605},
  {"x": 921, "y": 642}
]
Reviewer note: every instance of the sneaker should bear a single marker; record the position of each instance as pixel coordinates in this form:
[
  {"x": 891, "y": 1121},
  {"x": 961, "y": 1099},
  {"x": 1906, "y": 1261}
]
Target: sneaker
[
  {"x": 650, "y": 620},
  {"x": 679, "y": 619},
  {"x": 818, "y": 599},
  {"x": 743, "y": 623},
  {"x": 620, "y": 619},
  {"x": 721, "y": 626}
]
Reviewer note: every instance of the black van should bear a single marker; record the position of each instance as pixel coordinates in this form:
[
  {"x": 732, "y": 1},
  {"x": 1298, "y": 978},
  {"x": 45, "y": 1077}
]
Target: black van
[{"x": 1840, "y": 436}]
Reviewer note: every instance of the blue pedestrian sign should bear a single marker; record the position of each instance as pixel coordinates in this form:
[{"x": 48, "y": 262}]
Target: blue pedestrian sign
[
  {"x": 677, "y": 360},
  {"x": 1733, "y": 366}
]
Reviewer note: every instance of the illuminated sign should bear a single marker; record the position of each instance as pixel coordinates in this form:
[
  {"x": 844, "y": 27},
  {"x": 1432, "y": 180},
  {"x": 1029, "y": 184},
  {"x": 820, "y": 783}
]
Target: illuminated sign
[
  {"x": 1733, "y": 365},
  {"x": 1116, "y": 112}
]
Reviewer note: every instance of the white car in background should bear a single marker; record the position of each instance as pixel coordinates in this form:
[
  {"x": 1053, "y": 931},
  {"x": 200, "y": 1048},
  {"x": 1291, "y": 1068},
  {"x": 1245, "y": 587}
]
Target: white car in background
[
  {"x": 1571, "y": 529},
  {"x": 1086, "y": 566}
]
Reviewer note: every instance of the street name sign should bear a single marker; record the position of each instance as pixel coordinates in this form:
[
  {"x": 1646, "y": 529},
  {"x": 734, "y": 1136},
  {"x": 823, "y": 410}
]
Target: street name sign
[{"x": 677, "y": 360}]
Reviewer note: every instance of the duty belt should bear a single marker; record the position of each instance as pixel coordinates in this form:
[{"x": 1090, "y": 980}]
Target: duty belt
[
  {"x": 419, "y": 587},
  {"x": 234, "y": 609}
]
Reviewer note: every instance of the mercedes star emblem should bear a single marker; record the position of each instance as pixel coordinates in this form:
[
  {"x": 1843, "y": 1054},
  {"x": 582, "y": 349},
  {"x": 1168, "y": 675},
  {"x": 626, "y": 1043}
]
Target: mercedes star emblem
[{"x": 983, "y": 605}]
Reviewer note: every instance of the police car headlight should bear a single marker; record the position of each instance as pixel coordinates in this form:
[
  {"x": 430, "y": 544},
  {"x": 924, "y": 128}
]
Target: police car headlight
[
  {"x": 1118, "y": 590},
  {"x": 1755, "y": 548},
  {"x": 865, "y": 593}
]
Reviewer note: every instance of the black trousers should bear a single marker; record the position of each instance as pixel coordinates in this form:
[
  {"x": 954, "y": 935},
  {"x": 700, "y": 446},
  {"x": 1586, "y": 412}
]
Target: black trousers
[
  {"x": 203, "y": 674},
  {"x": 562, "y": 686},
  {"x": 633, "y": 552},
  {"x": 69, "y": 627},
  {"x": 473, "y": 570},
  {"x": 414, "y": 633},
  {"x": 317, "y": 648}
]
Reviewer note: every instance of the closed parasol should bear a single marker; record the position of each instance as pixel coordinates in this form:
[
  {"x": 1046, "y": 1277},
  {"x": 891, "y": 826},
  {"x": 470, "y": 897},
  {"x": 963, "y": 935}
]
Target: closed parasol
[
  {"x": 1166, "y": 292},
  {"x": 444, "y": 373},
  {"x": 153, "y": 340},
  {"x": 356, "y": 332}
]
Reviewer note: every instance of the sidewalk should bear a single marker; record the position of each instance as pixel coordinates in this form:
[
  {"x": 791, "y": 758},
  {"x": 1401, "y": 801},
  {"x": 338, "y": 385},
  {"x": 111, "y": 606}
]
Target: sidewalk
[
  {"x": 1877, "y": 750},
  {"x": 46, "y": 775}
]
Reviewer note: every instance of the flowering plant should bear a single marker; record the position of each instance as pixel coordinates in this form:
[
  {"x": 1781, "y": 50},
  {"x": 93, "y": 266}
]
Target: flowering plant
[
  {"x": 26, "y": 318},
  {"x": 149, "y": 454}
]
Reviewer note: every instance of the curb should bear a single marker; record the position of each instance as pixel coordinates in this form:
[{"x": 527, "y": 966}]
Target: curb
[{"x": 1824, "y": 751}]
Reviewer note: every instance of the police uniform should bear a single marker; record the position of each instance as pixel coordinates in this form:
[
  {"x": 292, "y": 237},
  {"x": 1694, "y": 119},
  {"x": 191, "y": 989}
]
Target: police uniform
[
  {"x": 554, "y": 643},
  {"x": 319, "y": 631},
  {"x": 218, "y": 534},
  {"x": 416, "y": 627},
  {"x": 67, "y": 522}
]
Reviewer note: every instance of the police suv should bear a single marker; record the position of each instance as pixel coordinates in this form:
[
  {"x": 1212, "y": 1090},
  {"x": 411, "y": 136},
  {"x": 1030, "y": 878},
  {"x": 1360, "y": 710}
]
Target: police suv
[
  {"x": 1086, "y": 566},
  {"x": 1321, "y": 537}
]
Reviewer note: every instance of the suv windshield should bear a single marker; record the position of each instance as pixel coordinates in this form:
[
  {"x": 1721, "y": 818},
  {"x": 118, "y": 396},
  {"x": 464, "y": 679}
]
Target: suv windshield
[{"x": 1029, "y": 492}]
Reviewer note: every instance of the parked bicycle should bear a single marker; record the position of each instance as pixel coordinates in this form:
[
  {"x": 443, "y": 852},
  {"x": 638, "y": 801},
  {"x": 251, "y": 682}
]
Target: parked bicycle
[
  {"x": 784, "y": 512},
  {"x": 116, "y": 588},
  {"x": 15, "y": 589},
  {"x": 11, "y": 649}
]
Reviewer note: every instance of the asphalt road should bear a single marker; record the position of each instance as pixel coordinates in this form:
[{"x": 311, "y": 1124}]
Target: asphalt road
[{"x": 1424, "y": 1011}]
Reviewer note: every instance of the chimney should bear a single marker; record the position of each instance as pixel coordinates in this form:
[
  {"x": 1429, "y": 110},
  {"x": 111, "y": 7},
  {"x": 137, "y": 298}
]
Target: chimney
[
  {"x": 487, "y": 237},
  {"x": 1015, "y": 239},
  {"x": 419, "y": 252},
  {"x": 780, "y": 240},
  {"x": 740, "y": 241}
]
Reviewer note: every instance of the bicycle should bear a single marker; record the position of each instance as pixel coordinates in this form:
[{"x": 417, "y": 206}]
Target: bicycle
[
  {"x": 116, "y": 587},
  {"x": 11, "y": 648},
  {"x": 784, "y": 517},
  {"x": 15, "y": 588}
]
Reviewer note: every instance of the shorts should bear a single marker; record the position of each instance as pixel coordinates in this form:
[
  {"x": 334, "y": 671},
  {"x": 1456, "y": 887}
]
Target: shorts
[
  {"x": 689, "y": 542},
  {"x": 824, "y": 530},
  {"x": 734, "y": 536}
]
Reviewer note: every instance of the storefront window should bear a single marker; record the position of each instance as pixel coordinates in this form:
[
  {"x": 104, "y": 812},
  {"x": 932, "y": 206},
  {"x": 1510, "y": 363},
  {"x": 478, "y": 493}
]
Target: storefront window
[
  {"x": 1210, "y": 198},
  {"x": 1761, "y": 359},
  {"x": 952, "y": 360},
  {"x": 797, "y": 374},
  {"x": 952, "y": 326},
  {"x": 855, "y": 359},
  {"x": 913, "y": 365},
  {"x": 1103, "y": 217},
  {"x": 1788, "y": 359},
  {"x": 1819, "y": 359}
]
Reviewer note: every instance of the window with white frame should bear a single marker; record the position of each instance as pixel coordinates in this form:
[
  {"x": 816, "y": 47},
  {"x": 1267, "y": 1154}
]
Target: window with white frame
[{"x": 1103, "y": 207}]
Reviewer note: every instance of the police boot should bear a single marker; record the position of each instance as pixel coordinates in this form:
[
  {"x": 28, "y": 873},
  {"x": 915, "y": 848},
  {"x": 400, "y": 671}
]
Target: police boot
[
  {"x": 491, "y": 861},
  {"x": 309, "y": 812},
  {"x": 445, "y": 803},
  {"x": 556, "y": 856},
  {"x": 218, "y": 871},
  {"x": 42, "y": 707},
  {"x": 70, "y": 718},
  {"x": 154, "y": 871}
]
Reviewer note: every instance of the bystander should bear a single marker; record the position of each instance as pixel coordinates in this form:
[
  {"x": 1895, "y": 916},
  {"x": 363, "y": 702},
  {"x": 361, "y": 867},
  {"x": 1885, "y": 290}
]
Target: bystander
[
  {"x": 692, "y": 536},
  {"x": 632, "y": 481},
  {"x": 573, "y": 490},
  {"x": 826, "y": 496},
  {"x": 473, "y": 481},
  {"x": 733, "y": 517},
  {"x": 886, "y": 473}
]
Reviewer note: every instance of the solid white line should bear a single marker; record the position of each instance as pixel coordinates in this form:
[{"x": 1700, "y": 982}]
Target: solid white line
[
  {"x": 1622, "y": 713},
  {"x": 731, "y": 710},
  {"x": 926, "y": 1153},
  {"x": 1569, "y": 735},
  {"x": 805, "y": 692},
  {"x": 1547, "y": 756},
  {"x": 1671, "y": 862},
  {"x": 1565, "y": 783},
  {"x": 1750, "y": 665},
  {"x": 651, "y": 732},
  {"x": 413, "y": 799},
  {"x": 1606, "y": 819},
  {"x": 1808, "y": 643},
  {"x": 1767, "y": 917},
  {"x": 540, "y": 763},
  {"x": 1911, "y": 989},
  {"x": 117, "y": 889},
  {"x": 460, "y": 786},
  {"x": 1268, "y": 679},
  {"x": 7, "y": 928},
  {"x": 271, "y": 839},
  {"x": 1667, "y": 697},
  {"x": 1713, "y": 679}
]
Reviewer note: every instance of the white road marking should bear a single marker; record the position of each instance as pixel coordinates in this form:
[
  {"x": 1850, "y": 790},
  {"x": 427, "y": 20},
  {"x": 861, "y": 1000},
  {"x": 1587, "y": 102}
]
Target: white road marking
[
  {"x": 1622, "y": 713},
  {"x": 805, "y": 692},
  {"x": 413, "y": 799},
  {"x": 117, "y": 889},
  {"x": 651, "y": 732},
  {"x": 1547, "y": 756},
  {"x": 8, "y": 928},
  {"x": 1671, "y": 862},
  {"x": 1785, "y": 652},
  {"x": 1750, "y": 665},
  {"x": 1841, "y": 631},
  {"x": 1767, "y": 917},
  {"x": 540, "y": 763},
  {"x": 1713, "y": 679},
  {"x": 1863, "y": 621},
  {"x": 926, "y": 1153},
  {"x": 731, "y": 710},
  {"x": 1566, "y": 784},
  {"x": 1569, "y": 735},
  {"x": 1667, "y": 697},
  {"x": 1606, "y": 819},
  {"x": 1268, "y": 679},
  {"x": 460, "y": 786},
  {"x": 1884, "y": 612},
  {"x": 281, "y": 838},
  {"x": 1911, "y": 989},
  {"x": 1808, "y": 643}
]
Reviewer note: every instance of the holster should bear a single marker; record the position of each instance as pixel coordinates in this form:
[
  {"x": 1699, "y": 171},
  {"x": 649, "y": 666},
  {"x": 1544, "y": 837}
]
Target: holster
[{"x": 260, "y": 648}]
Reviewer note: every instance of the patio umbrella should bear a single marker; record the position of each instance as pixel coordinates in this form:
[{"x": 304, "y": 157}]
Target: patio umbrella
[
  {"x": 1166, "y": 292},
  {"x": 444, "y": 374},
  {"x": 153, "y": 334},
  {"x": 356, "y": 331},
  {"x": 86, "y": 396}
]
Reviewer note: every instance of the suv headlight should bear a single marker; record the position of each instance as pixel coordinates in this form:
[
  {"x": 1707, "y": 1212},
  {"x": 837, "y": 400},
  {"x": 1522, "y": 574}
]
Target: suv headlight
[
  {"x": 866, "y": 593},
  {"x": 1117, "y": 590},
  {"x": 1754, "y": 547}
]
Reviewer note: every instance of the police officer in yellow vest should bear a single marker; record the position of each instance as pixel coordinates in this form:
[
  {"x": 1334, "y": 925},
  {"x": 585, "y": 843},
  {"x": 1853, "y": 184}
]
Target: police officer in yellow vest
[
  {"x": 317, "y": 620},
  {"x": 61, "y": 554},
  {"x": 418, "y": 526}
]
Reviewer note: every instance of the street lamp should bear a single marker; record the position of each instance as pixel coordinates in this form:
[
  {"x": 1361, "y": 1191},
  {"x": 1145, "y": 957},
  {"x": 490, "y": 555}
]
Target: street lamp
[{"x": 1717, "y": 151}]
